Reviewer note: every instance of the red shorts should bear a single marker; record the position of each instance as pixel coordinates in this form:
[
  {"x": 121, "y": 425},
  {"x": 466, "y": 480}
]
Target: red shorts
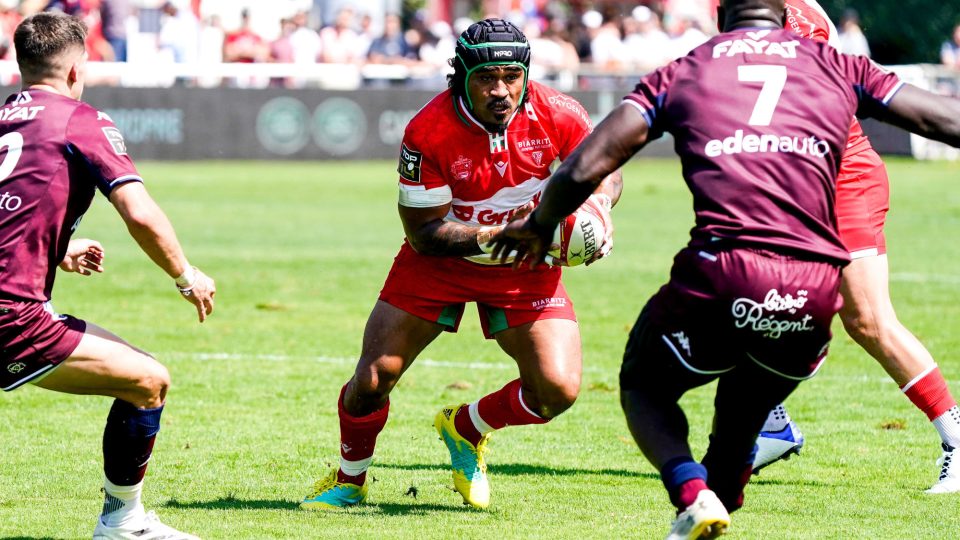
[
  {"x": 437, "y": 288},
  {"x": 863, "y": 198},
  {"x": 34, "y": 340}
]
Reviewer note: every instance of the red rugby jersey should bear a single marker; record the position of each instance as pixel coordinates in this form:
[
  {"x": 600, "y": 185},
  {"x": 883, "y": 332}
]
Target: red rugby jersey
[{"x": 447, "y": 156}]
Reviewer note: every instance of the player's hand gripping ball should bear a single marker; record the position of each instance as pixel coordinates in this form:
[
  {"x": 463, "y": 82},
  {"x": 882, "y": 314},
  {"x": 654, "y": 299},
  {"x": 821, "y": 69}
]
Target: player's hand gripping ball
[{"x": 577, "y": 239}]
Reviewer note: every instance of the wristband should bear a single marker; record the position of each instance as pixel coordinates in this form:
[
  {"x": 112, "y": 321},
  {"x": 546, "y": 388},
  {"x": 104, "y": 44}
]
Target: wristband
[{"x": 186, "y": 279}]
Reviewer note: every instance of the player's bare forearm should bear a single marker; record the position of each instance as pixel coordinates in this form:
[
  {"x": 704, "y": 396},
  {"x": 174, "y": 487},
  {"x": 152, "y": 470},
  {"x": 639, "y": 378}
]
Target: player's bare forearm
[
  {"x": 430, "y": 234},
  {"x": 151, "y": 229},
  {"x": 925, "y": 113},
  {"x": 595, "y": 163}
]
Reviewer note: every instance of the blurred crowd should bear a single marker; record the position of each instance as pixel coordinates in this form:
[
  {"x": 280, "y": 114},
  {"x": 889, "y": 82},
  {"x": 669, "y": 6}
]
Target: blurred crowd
[{"x": 613, "y": 38}]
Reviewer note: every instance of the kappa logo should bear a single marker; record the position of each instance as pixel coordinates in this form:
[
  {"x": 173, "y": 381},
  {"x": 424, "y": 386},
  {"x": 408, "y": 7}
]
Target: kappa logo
[
  {"x": 115, "y": 138},
  {"x": 16, "y": 367},
  {"x": 501, "y": 167},
  {"x": 762, "y": 316},
  {"x": 683, "y": 341},
  {"x": 409, "y": 167}
]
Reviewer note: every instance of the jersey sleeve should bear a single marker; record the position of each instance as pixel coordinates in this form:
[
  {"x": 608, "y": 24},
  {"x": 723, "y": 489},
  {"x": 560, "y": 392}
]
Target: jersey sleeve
[
  {"x": 422, "y": 184},
  {"x": 571, "y": 121},
  {"x": 649, "y": 97},
  {"x": 93, "y": 135},
  {"x": 874, "y": 85}
]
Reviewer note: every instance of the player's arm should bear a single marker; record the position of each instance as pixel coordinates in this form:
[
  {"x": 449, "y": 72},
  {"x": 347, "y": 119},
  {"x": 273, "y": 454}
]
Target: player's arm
[
  {"x": 924, "y": 113},
  {"x": 152, "y": 230},
  {"x": 430, "y": 234},
  {"x": 595, "y": 161}
]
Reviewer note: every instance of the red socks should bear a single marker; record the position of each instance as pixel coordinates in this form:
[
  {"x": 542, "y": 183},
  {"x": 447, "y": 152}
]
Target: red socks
[
  {"x": 502, "y": 408},
  {"x": 358, "y": 437},
  {"x": 930, "y": 394}
]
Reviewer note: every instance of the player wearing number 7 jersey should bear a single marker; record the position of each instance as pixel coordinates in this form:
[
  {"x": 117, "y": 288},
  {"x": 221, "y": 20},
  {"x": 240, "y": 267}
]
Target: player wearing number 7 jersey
[
  {"x": 55, "y": 153},
  {"x": 751, "y": 298},
  {"x": 863, "y": 197}
]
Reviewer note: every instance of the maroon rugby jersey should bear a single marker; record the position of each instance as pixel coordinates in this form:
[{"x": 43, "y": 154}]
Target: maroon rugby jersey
[
  {"x": 760, "y": 119},
  {"x": 54, "y": 152}
]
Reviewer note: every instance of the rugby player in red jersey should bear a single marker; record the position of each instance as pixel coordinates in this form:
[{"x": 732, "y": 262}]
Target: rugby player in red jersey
[
  {"x": 751, "y": 298},
  {"x": 55, "y": 153},
  {"x": 471, "y": 159},
  {"x": 863, "y": 198}
]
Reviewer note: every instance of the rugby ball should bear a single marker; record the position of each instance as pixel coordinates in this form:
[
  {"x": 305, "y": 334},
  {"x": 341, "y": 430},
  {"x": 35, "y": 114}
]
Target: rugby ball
[{"x": 577, "y": 238}]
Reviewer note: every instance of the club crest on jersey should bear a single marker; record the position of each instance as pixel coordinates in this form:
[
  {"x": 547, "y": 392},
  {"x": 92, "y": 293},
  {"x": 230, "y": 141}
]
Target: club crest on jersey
[
  {"x": 537, "y": 157},
  {"x": 410, "y": 161},
  {"x": 461, "y": 168},
  {"x": 115, "y": 138}
]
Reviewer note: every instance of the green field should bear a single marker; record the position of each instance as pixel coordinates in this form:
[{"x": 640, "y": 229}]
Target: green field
[{"x": 299, "y": 251}]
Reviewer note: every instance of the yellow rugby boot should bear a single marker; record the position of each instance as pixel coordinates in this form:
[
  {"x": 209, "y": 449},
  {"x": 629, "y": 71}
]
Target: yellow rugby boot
[
  {"x": 469, "y": 467},
  {"x": 331, "y": 494}
]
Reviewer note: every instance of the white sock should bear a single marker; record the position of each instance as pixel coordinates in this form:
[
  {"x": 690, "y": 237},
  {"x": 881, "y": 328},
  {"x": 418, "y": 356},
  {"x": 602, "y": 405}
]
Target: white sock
[
  {"x": 478, "y": 422},
  {"x": 121, "y": 504},
  {"x": 948, "y": 426},
  {"x": 355, "y": 468}
]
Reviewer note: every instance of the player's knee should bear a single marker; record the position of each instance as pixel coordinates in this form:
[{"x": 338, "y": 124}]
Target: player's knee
[
  {"x": 372, "y": 381},
  {"x": 556, "y": 397},
  {"x": 860, "y": 326},
  {"x": 151, "y": 384}
]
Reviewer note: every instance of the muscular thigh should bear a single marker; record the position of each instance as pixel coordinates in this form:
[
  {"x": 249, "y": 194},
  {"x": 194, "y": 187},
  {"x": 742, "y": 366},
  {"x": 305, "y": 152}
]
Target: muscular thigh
[
  {"x": 104, "y": 364},
  {"x": 392, "y": 339},
  {"x": 547, "y": 351}
]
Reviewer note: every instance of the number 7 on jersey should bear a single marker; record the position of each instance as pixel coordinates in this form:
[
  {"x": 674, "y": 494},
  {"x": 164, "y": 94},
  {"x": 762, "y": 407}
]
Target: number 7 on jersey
[{"x": 773, "y": 78}]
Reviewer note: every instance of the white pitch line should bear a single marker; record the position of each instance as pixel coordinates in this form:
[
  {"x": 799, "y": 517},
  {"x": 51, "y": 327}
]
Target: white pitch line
[{"x": 505, "y": 365}]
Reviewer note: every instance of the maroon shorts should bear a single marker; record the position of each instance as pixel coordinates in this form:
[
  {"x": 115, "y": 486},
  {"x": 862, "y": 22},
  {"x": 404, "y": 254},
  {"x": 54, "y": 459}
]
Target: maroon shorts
[
  {"x": 34, "y": 340},
  {"x": 863, "y": 198},
  {"x": 437, "y": 289},
  {"x": 724, "y": 309}
]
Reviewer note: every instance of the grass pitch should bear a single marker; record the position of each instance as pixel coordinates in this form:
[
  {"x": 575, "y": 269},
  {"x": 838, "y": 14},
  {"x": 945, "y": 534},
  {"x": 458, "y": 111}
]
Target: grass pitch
[{"x": 299, "y": 251}]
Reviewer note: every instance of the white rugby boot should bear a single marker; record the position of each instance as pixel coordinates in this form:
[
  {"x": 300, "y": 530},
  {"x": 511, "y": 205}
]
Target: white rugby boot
[
  {"x": 705, "y": 518},
  {"x": 145, "y": 527},
  {"x": 949, "y": 480}
]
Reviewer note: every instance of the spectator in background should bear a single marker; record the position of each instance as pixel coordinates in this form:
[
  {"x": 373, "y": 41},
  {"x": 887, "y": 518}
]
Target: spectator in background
[
  {"x": 179, "y": 33},
  {"x": 9, "y": 19},
  {"x": 366, "y": 33},
  {"x": 607, "y": 51},
  {"x": 391, "y": 47},
  {"x": 649, "y": 46},
  {"x": 304, "y": 40},
  {"x": 687, "y": 36},
  {"x": 113, "y": 22},
  {"x": 440, "y": 46},
  {"x": 244, "y": 45},
  {"x": 950, "y": 51},
  {"x": 852, "y": 40},
  {"x": 558, "y": 33},
  {"x": 341, "y": 43}
]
